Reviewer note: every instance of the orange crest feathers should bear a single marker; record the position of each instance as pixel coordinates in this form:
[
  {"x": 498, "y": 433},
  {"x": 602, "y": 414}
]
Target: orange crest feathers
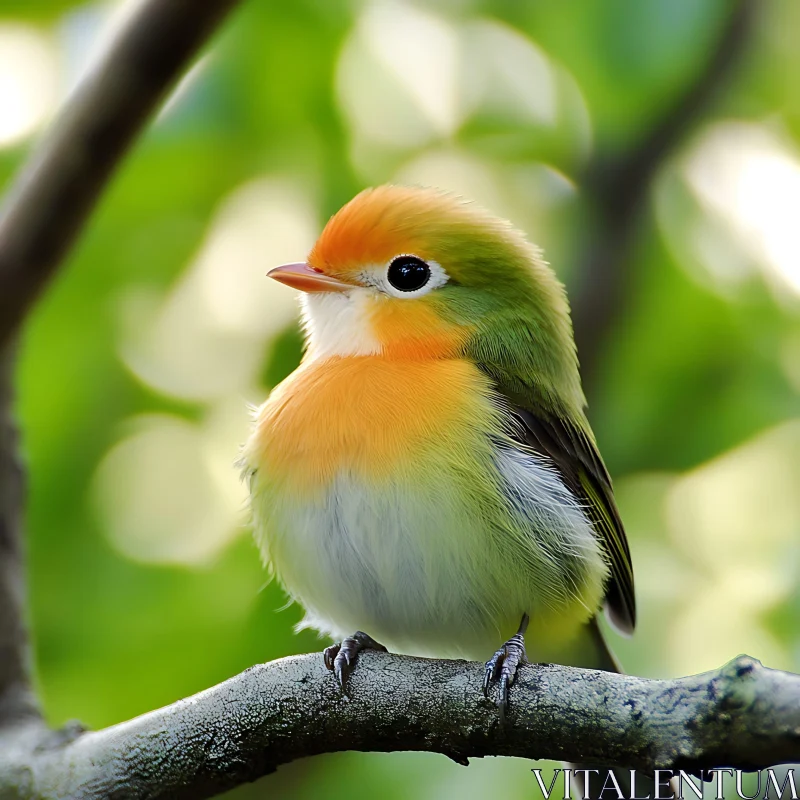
[{"x": 380, "y": 223}]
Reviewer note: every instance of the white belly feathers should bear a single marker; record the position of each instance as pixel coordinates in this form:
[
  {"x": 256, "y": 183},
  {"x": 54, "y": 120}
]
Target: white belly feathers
[{"x": 424, "y": 572}]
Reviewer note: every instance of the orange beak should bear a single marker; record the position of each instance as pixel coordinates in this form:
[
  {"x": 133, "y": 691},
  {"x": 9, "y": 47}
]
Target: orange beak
[{"x": 303, "y": 277}]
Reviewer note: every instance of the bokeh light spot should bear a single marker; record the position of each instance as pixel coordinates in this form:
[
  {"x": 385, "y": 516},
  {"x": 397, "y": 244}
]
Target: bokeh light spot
[
  {"x": 504, "y": 72},
  {"x": 398, "y": 75},
  {"x": 206, "y": 338},
  {"x": 735, "y": 522},
  {"x": 28, "y": 80},
  {"x": 747, "y": 177},
  {"x": 158, "y": 496}
]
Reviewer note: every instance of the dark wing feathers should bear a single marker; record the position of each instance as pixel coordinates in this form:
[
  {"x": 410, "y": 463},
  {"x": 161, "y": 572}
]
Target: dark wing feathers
[{"x": 575, "y": 455}]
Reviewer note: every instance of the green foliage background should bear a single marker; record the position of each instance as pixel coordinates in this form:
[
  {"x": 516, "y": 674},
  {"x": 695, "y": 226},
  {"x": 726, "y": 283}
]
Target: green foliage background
[{"x": 131, "y": 441}]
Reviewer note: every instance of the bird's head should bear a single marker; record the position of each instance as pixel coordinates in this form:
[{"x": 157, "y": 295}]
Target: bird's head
[{"x": 416, "y": 273}]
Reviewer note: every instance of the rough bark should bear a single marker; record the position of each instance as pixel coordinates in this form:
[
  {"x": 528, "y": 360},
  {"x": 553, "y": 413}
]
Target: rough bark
[{"x": 743, "y": 715}]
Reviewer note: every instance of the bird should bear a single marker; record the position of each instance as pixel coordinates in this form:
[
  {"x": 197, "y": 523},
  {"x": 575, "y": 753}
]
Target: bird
[{"x": 427, "y": 480}]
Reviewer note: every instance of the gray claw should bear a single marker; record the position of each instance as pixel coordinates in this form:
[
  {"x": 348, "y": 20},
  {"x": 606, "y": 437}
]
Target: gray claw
[
  {"x": 502, "y": 667},
  {"x": 341, "y": 658}
]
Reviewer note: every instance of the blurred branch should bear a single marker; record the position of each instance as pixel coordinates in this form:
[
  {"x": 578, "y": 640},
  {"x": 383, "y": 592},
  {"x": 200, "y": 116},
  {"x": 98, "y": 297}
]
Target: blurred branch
[
  {"x": 742, "y": 715},
  {"x": 16, "y": 698},
  {"x": 616, "y": 187},
  {"x": 50, "y": 202},
  {"x": 42, "y": 216}
]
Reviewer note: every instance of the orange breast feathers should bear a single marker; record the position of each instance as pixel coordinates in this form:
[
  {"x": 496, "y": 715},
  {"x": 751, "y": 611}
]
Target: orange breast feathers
[
  {"x": 368, "y": 416},
  {"x": 414, "y": 330}
]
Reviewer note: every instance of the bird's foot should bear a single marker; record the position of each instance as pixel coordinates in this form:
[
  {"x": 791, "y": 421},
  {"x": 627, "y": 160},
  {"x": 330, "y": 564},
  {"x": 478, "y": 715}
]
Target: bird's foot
[
  {"x": 341, "y": 658},
  {"x": 502, "y": 667}
]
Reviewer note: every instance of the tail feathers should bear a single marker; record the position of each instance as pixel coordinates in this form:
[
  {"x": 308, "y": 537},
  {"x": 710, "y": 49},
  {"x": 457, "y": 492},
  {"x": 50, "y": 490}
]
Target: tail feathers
[{"x": 590, "y": 785}]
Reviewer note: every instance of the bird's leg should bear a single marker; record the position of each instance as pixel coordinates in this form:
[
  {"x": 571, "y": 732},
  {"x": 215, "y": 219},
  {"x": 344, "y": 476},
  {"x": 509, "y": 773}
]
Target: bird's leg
[
  {"x": 502, "y": 666},
  {"x": 341, "y": 658}
]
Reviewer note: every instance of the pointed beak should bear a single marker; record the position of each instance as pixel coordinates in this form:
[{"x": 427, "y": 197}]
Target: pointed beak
[{"x": 303, "y": 277}]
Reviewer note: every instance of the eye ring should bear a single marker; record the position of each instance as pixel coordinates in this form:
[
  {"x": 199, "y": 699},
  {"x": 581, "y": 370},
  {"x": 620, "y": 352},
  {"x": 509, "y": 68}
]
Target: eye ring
[{"x": 407, "y": 273}]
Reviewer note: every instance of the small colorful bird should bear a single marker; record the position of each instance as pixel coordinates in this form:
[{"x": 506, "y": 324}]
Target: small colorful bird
[{"x": 428, "y": 474}]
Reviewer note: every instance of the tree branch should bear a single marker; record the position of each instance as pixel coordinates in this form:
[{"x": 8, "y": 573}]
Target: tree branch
[
  {"x": 16, "y": 698},
  {"x": 616, "y": 186},
  {"x": 743, "y": 715}
]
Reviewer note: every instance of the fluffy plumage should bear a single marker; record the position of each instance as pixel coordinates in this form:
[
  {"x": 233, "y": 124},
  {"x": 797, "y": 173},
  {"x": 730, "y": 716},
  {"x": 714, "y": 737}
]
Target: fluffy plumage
[{"x": 428, "y": 474}]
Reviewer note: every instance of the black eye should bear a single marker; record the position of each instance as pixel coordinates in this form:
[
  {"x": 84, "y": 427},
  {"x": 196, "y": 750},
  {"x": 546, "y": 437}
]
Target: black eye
[{"x": 408, "y": 273}]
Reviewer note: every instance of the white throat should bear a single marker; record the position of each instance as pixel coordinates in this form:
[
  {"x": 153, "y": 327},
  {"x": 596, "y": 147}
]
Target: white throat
[{"x": 338, "y": 324}]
